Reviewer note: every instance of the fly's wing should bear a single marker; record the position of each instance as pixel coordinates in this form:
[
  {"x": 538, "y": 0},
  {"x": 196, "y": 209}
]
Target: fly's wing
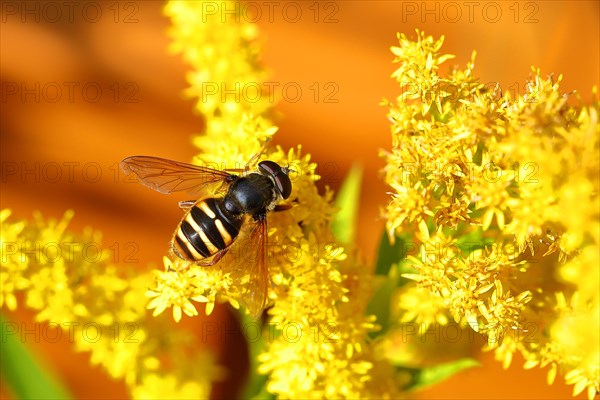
[
  {"x": 168, "y": 176},
  {"x": 251, "y": 260}
]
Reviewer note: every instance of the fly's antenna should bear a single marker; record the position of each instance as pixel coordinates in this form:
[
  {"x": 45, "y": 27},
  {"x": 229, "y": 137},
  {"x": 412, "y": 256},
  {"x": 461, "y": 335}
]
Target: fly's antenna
[{"x": 287, "y": 169}]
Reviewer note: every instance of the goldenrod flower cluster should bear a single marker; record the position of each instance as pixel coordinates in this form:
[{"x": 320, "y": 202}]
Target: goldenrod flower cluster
[
  {"x": 223, "y": 52},
  {"x": 499, "y": 193},
  {"x": 72, "y": 284},
  {"x": 316, "y": 331}
]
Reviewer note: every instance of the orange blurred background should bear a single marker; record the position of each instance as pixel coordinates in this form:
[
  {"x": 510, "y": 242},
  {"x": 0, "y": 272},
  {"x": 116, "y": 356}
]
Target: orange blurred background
[{"x": 72, "y": 140}]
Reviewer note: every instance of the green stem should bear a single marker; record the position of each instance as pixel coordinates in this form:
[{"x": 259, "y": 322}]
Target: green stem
[
  {"x": 255, "y": 387},
  {"x": 20, "y": 369}
]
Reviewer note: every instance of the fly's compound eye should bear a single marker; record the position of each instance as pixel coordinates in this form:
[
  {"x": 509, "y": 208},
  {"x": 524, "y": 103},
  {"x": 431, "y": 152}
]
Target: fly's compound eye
[{"x": 282, "y": 181}]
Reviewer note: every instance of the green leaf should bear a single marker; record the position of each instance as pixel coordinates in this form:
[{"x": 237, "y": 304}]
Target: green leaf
[
  {"x": 255, "y": 386},
  {"x": 27, "y": 377},
  {"x": 347, "y": 200},
  {"x": 472, "y": 241},
  {"x": 379, "y": 304},
  {"x": 389, "y": 254},
  {"x": 478, "y": 156},
  {"x": 424, "y": 377},
  {"x": 263, "y": 395},
  {"x": 475, "y": 235},
  {"x": 387, "y": 279}
]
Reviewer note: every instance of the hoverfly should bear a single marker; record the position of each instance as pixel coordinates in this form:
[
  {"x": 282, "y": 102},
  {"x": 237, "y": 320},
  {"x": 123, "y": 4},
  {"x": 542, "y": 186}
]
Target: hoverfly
[{"x": 211, "y": 224}]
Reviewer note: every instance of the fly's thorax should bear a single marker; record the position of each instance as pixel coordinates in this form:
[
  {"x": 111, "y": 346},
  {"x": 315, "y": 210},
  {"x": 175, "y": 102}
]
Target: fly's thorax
[{"x": 251, "y": 194}]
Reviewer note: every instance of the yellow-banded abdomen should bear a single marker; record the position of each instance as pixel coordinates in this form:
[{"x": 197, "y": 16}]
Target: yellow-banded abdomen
[{"x": 206, "y": 229}]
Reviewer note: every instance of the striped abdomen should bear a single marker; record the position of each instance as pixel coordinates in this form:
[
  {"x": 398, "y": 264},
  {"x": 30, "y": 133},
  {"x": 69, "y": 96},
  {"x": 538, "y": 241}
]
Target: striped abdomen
[{"x": 205, "y": 230}]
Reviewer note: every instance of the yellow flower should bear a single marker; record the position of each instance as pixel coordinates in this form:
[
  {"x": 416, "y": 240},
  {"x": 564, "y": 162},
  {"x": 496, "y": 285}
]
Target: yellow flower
[
  {"x": 14, "y": 261},
  {"x": 173, "y": 289},
  {"x": 225, "y": 69},
  {"x": 101, "y": 306},
  {"x": 414, "y": 303},
  {"x": 322, "y": 350},
  {"x": 576, "y": 339},
  {"x": 158, "y": 386},
  {"x": 502, "y": 196},
  {"x": 317, "y": 296},
  {"x": 191, "y": 378}
]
